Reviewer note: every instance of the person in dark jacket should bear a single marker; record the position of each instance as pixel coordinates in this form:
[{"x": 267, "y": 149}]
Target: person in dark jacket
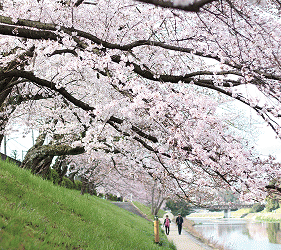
[
  {"x": 179, "y": 221},
  {"x": 167, "y": 223}
]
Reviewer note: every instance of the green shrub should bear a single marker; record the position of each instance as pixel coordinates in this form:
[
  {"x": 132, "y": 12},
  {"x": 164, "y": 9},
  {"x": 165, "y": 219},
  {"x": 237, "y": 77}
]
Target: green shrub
[
  {"x": 257, "y": 208},
  {"x": 271, "y": 204},
  {"x": 53, "y": 176},
  {"x": 67, "y": 183},
  {"x": 111, "y": 197},
  {"x": 179, "y": 206},
  {"x": 77, "y": 185},
  {"x": 100, "y": 195}
]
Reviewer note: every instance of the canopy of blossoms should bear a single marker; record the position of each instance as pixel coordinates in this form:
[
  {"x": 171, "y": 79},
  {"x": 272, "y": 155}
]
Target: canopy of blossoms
[{"x": 122, "y": 80}]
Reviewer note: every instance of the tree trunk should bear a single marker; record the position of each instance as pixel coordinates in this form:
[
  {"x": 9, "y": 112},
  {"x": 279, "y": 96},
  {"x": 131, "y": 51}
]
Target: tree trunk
[
  {"x": 61, "y": 166},
  {"x": 157, "y": 208},
  {"x": 84, "y": 185},
  {"x": 72, "y": 175},
  {"x": 1, "y": 136},
  {"x": 33, "y": 156},
  {"x": 43, "y": 167},
  {"x": 92, "y": 188},
  {"x": 152, "y": 199},
  {"x": 39, "y": 157}
]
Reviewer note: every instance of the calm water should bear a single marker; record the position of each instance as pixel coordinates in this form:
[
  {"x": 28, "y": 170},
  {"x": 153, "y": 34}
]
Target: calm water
[{"x": 239, "y": 234}]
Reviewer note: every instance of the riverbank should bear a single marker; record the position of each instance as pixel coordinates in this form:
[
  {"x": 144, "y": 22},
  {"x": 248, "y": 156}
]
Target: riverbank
[
  {"x": 240, "y": 233},
  {"x": 245, "y": 213},
  {"x": 188, "y": 225}
]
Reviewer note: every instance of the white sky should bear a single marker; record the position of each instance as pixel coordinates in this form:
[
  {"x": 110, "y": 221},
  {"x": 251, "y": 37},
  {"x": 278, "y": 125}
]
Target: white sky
[
  {"x": 268, "y": 144},
  {"x": 19, "y": 143},
  {"x": 265, "y": 140}
]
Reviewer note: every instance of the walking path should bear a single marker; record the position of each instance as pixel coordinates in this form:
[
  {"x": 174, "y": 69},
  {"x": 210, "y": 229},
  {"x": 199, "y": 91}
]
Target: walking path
[
  {"x": 129, "y": 207},
  {"x": 185, "y": 241}
]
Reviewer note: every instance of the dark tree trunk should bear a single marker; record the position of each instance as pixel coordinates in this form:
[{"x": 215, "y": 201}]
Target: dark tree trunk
[
  {"x": 6, "y": 83},
  {"x": 84, "y": 185},
  {"x": 61, "y": 166},
  {"x": 44, "y": 166},
  {"x": 1, "y": 136},
  {"x": 40, "y": 156},
  {"x": 37, "y": 159},
  {"x": 92, "y": 188},
  {"x": 157, "y": 199},
  {"x": 72, "y": 175},
  {"x": 5, "y": 113}
]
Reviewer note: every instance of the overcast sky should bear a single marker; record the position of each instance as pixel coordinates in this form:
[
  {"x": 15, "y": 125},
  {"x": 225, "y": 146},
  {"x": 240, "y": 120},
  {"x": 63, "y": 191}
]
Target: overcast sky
[{"x": 19, "y": 143}]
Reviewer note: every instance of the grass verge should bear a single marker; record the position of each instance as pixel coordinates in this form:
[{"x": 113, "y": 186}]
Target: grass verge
[
  {"x": 147, "y": 210},
  {"x": 35, "y": 214}
]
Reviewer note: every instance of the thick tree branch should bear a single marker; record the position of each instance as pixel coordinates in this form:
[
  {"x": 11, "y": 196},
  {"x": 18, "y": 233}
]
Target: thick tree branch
[
  {"x": 28, "y": 33},
  {"x": 273, "y": 187},
  {"x": 188, "y": 78},
  {"x": 49, "y": 27},
  {"x": 192, "y": 7},
  {"x": 42, "y": 82},
  {"x": 78, "y": 2}
]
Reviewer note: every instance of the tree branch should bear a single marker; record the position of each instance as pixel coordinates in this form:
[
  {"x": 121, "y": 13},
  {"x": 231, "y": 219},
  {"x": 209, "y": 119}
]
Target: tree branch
[
  {"x": 28, "y": 33},
  {"x": 192, "y": 7}
]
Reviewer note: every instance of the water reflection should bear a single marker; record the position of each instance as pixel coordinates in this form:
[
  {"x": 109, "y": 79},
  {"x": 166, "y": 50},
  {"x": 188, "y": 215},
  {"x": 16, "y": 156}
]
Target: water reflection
[
  {"x": 239, "y": 234},
  {"x": 274, "y": 233}
]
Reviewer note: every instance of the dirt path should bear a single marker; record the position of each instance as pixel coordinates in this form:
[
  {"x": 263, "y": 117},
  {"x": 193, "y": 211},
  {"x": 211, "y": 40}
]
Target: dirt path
[
  {"x": 185, "y": 241},
  {"x": 130, "y": 207},
  {"x": 182, "y": 242}
]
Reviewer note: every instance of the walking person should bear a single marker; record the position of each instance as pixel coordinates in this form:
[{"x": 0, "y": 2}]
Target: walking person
[
  {"x": 179, "y": 221},
  {"x": 167, "y": 223}
]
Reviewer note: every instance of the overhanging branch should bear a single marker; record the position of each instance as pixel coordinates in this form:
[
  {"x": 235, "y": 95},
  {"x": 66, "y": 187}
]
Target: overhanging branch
[{"x": 192, "y": 7}]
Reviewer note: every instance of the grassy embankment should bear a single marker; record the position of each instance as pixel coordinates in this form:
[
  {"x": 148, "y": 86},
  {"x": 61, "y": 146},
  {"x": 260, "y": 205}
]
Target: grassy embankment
[
  {"x": 274, "y": 216},
  {"x": 35, "y": 214},
  {"x": 147, "y": 210}
]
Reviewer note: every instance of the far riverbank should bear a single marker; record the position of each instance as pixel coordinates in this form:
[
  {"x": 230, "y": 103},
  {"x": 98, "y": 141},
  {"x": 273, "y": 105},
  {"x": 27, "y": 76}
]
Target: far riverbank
[
  {"x": 245, "y": 213},
  {"x": 261, "y": 223}
]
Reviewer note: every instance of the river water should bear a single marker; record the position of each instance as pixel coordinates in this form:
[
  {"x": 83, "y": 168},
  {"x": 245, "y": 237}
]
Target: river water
[{"x": 239, "y": 234}]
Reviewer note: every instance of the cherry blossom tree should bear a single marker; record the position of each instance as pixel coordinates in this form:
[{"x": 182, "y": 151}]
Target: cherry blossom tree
[
  {"x": 122, "y": 80},
  {"x": 111, "y": 176}
]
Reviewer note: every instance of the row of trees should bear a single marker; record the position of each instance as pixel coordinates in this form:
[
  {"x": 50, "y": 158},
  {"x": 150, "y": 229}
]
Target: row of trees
[{"x": 135, "y": 86}]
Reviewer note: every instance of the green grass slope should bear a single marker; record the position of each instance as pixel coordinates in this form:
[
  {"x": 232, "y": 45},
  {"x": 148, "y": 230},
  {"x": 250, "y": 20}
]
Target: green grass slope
[
  {"x": 147, "y": 210},
  {"x": 35, "y": 214}
]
